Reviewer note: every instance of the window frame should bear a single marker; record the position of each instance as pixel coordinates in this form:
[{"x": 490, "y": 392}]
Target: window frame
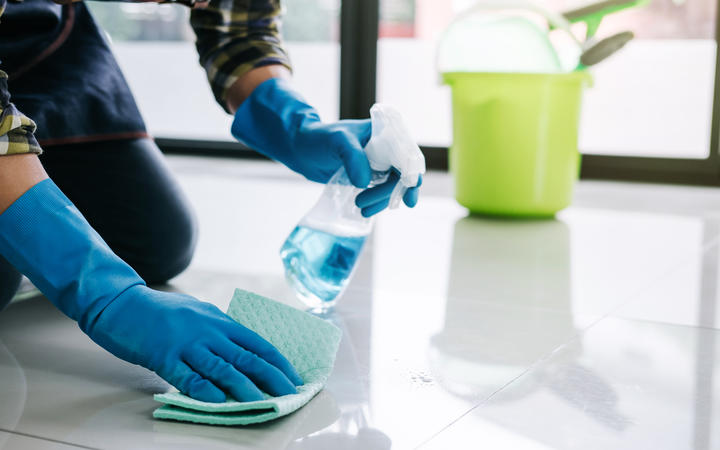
[
  {"x": 649, "y": 169},
  {"x": 359, "y": 30}
]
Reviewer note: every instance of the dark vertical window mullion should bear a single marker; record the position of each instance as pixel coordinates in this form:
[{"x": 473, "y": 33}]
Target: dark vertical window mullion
[
  {"x": 667, "y": 170},
  {"x": 359, "y": 24},
  {"x": 714, "y": 158}
]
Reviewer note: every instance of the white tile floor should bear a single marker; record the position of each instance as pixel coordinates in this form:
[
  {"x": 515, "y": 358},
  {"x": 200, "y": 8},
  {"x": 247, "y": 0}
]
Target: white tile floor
[{"x": 598, "y": 330}]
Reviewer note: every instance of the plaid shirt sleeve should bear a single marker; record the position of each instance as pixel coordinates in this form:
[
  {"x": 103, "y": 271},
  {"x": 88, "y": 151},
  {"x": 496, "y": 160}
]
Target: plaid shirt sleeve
[
  {"x": 236, "y": 36},
  {"x": 16, "y": 130}
]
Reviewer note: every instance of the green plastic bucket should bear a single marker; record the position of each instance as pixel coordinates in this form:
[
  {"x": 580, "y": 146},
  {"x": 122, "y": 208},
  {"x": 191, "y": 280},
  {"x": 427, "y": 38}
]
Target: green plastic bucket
[{"x": 515, "y": 141}]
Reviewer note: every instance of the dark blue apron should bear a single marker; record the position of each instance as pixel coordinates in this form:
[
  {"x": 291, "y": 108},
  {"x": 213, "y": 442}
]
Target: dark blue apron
[{"x": 63, "y": 74}]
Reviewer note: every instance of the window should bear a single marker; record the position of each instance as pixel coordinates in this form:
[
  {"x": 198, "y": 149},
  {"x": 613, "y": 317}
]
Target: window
[
  {"x": 407, "y": 77},
  {"x": 648, "y": 115},
  {"x": 653, "y": 99},
  {"x": 154, "y": 45}
]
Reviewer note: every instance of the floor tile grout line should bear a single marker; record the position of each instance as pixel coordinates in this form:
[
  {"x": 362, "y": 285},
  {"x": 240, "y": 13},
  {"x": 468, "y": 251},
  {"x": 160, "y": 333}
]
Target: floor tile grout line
[
  {"x": 482, "y": 402},
  {"x": 660, "y": 323},
  {"x": 57, "y": 441},
  {"x": 626, "y": 299},
  {"x": 530, "y": 368},
  {"x": 541, "y": 361},
  {"x": 575, "y": 338},
  {"x": 608, "y": 315},
  {"x": 612, "y": 314}
]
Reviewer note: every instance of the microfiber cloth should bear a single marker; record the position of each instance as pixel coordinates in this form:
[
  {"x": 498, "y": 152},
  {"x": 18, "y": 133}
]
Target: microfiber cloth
[{"x": 308, "y": 342}]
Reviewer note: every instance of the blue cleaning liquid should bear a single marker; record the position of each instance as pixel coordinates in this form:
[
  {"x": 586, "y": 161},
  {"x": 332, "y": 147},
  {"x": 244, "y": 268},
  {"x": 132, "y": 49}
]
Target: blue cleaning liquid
[{"x": 319, "y": 264}]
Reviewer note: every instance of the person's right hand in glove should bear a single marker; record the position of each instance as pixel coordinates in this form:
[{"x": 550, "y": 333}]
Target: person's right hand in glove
[
  {"x": 273, "y": 119},
  {"x": 189, "y": 343}
]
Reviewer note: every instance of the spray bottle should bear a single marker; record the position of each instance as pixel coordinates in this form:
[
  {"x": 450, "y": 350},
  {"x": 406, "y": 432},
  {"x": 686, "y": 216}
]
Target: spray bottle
[{"x": 321, "y": 253}]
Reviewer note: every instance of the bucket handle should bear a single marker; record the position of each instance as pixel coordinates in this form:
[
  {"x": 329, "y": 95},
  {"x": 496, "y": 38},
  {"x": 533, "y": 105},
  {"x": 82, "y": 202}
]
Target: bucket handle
[{"x": 554, "y": 19}]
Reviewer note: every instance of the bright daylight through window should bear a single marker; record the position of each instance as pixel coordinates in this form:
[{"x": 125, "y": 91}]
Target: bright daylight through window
[
  {"x": 661, "y": 83},
  {"x": 654, "y": 98},
  {"x": 154, "y": 45}
]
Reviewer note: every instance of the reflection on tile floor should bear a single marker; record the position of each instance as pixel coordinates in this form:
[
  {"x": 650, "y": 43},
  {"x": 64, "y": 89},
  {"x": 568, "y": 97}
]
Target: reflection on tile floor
[
  {"x": 623, "y": 385},
  {"x": 595, "y": 330},
  {"x": 8, "y": 440}
]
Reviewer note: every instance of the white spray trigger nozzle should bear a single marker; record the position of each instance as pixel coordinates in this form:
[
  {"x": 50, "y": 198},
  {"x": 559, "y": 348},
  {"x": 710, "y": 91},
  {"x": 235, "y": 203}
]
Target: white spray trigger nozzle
[{"x": 392, "y": 145}]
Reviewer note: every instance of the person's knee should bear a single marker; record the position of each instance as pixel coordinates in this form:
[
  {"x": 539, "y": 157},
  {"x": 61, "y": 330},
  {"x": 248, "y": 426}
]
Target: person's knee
[
  {"x": 169, "y": 247},
  {"x": 129, "y": 195},
  {"x": 9, "y": 282}
]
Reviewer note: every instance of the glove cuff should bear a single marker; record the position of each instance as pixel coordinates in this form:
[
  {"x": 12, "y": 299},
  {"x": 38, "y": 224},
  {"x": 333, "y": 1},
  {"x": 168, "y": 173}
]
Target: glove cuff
[
  {"x": 273, "y": 105},
  {"x": 48, "y": 240}
]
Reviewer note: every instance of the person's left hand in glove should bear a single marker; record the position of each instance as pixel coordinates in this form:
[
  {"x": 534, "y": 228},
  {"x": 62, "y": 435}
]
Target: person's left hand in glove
[{"x": 273, "y": 119}]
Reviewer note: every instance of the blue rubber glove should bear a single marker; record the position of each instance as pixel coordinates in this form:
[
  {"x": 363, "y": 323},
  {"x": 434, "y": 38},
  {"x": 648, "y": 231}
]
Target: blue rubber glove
[
  {"x": 189, "y": 343},
  {"x": 377, "y": 198},
  {"x": 277, "y": 122}
]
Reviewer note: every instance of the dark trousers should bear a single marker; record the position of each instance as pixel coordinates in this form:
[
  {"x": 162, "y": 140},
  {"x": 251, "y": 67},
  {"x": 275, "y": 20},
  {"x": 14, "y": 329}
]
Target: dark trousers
[{"x": 127, "y": 193}]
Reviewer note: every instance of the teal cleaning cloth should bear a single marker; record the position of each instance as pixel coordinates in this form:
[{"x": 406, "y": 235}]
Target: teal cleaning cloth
[{"x": 308, "y": 342}]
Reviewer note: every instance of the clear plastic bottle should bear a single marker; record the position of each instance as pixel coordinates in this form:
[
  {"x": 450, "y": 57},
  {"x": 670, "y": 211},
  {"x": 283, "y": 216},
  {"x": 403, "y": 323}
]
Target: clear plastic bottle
[{"x": 321, "y": 253}]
